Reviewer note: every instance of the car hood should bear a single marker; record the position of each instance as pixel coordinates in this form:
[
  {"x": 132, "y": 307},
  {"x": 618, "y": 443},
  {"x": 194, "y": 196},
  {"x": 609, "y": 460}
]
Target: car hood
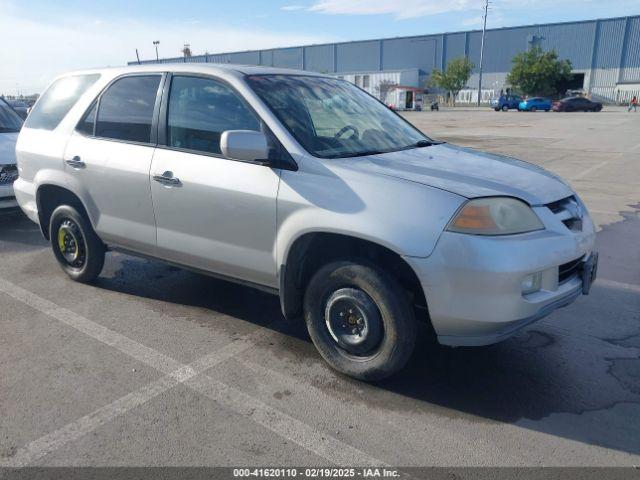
[
  {"x": 471, "y": 173},
  {"x": 8, "y": 148}
]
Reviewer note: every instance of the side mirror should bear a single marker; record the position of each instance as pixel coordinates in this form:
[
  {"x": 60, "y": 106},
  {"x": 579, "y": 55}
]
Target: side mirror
[{"x": 245, "y": 145}]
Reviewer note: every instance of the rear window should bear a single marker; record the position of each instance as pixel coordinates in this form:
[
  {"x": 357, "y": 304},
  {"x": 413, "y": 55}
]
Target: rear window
[{"x": 56, "y": 102}]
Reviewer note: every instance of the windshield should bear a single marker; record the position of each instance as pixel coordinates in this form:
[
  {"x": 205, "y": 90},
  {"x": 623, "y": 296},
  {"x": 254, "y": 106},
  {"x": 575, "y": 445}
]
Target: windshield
[
  {"x": 10, "y": 121},
  {"x": 332, "y": 118}
]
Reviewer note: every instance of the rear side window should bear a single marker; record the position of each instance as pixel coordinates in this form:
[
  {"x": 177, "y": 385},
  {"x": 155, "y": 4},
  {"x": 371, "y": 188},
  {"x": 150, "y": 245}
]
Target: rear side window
[
  {"x": 125, "y": 109},
  {"x": 56, "y": 102},
  {"x": 200, "y": 110}
]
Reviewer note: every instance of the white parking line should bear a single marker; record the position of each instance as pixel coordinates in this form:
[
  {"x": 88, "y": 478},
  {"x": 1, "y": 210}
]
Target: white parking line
[
  {"x": 324, "y": 445},
  {"x": 589, "y": 170},
  {"x": 132, "y": 348},
  {"x": 308, "y": 437},
  {"x": 618, "y": 285},
  {"x": 75, "y": 430}
]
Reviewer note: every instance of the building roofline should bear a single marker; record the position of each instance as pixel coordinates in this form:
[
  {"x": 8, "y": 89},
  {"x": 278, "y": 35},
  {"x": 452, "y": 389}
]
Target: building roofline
[{"x": 380, "y": 39}]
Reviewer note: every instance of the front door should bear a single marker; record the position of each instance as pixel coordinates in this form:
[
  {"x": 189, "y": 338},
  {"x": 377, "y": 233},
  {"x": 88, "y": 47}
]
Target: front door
[
  {"x": 217, "y": 214},
  {"x": 108, "y": 159}
]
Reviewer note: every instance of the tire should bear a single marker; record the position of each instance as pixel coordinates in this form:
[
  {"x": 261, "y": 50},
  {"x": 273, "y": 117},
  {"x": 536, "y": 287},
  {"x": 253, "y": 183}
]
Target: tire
[
  {"x": 533, "y": 109},
  {"x": 497, "y": 109},
  {"x": 547, "y": 109},
  {"x": 505, "y": 108},
  {"x": 75, "y": 245},
  {"x": 390, "y": 328}
]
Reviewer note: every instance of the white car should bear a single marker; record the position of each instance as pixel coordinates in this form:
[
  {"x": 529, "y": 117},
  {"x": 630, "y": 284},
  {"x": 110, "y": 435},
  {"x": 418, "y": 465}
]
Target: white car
[
  {"x": 10, "y": 124},
  {"x": 305, "y": 186}
]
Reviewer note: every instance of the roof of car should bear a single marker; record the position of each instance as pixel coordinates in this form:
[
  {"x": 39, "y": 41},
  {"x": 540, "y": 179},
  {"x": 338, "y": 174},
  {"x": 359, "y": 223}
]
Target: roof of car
[{"x": 197, "y": 68}]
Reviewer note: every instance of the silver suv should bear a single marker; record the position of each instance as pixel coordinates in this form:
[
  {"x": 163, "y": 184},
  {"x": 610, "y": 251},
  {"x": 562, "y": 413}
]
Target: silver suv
[
  {"x": 10, "y": 124},
  {"x": 305, "y": 186}
]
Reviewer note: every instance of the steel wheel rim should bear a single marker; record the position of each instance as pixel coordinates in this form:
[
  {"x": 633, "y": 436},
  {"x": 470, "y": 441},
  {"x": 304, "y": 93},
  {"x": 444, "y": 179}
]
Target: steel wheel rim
[
  {"x": 353, "y": 321},
  {"x": 71, "y": 244}
]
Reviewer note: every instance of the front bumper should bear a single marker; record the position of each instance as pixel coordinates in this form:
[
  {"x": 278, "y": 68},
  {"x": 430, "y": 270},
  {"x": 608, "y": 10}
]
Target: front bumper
[
  {"x": 26, "y": 196},
  {"x": 473, "y": 284},
  {"x": 7, "y": 198}
]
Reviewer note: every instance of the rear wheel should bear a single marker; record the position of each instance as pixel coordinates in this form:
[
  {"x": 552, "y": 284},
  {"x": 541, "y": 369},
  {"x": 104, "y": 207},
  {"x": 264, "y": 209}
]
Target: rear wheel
[
  {"x": 533, "y": 109},
  {"x": 360, "y": 320},
  {"x": 75, "y": 245},
  {"x": 505, "y": 108}
]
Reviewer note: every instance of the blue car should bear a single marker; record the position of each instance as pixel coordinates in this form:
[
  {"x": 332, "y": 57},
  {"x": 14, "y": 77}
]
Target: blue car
[
  {"x": 506, "y": 102},
  {"x": 535, "y": 103}
]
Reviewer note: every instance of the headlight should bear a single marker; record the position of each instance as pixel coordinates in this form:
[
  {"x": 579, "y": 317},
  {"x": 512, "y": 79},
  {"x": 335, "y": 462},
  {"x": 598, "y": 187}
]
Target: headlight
[{"x": 495, "y": 216}]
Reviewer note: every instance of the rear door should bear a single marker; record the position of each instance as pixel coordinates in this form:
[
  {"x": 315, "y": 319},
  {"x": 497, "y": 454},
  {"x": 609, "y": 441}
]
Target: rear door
[
  {"x": 109, "y": 156},
  {"x": 217, "y": 214}
]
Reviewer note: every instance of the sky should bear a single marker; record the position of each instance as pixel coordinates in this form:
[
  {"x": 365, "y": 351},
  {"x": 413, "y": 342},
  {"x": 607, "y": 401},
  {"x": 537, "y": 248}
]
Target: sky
[{"x": 42, "y": 39}]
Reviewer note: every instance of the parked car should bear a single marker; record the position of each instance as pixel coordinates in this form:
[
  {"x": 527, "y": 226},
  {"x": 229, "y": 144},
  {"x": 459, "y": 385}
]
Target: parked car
[
  {"x": 10, "y": 124},
  {"x": 20, "y": 107},
  {"x": 534, "y": 104},
  {"x": 576, "y": 104},
  {"x": 307, "y": 187},
  {"x": 506, "y": 102}
]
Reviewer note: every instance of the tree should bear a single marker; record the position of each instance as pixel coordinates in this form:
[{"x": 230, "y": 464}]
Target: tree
[
  {"x": 536, "y": 72},
  {"x": 384, "y": 88},
  {"x": 454, "y": 78}
]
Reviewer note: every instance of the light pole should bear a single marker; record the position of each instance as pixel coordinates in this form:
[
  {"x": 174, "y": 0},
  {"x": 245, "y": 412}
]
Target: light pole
[
  {"x": 156, "y": 43},
  {"x": 484, "y": 31}
]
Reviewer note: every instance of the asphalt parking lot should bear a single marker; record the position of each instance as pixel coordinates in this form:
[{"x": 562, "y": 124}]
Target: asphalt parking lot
[{"x": 154, "y": 365}]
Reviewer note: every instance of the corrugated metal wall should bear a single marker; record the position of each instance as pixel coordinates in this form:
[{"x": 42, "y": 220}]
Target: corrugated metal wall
[
  {"x": 572, "y": 41},
  {"x": 416, "y": 52},
  {"x": 631, "y": 58},
  {"x": 455, "y": 46},
  {"x": 358, "y": 56},
  {"x": 319, "y": 58},
  {"x": 607, "y": 56},
  {"x": 607, "y": 51}
]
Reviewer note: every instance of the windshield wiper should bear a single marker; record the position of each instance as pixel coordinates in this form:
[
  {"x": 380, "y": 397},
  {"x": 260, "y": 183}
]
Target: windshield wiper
[
  {"x": 425, "y": 143},
  {"x": 365, "y": 153},
  {"x": 358, "y": 154}
]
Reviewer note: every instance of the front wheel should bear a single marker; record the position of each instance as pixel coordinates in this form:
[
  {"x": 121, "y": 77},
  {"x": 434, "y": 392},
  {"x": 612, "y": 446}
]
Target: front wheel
[
  {"x": 360, "y": 320},
  {"x": 505, "y": 108},
  {"x": 534, "y": 109},
  {"x": 75, "y": 245}
]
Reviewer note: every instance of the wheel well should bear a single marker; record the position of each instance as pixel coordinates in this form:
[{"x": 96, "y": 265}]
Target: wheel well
[
  {"x": 48, "y": 198},
  {"x": 313, "y": 250}
]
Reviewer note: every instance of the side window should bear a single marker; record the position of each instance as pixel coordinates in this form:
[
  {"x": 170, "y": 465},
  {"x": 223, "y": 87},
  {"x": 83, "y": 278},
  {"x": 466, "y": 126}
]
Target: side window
[
  {"x": 56, "y": 102},
  {"x": 125, "y": 111},
  {"x": 88, "y": 121},
  {"x": 200, "y": 110}
]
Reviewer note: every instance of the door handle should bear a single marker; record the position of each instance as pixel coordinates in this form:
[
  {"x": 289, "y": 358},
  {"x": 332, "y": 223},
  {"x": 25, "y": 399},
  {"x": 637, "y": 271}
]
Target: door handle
[
  {"x": 167, "y": 178},
  {"x": 76, "y": 162}
]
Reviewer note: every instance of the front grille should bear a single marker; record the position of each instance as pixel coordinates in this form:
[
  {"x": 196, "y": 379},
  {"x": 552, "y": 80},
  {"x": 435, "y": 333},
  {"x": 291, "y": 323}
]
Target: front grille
[
  {"x": 567, "y": 270},
  {"x": 569, "y": 211},
  {"x": 8, "y": 174}
]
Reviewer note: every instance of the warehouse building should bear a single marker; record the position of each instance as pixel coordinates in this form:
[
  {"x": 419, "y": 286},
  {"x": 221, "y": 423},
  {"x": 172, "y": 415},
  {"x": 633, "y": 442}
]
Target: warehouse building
[{"x": 605, "y": 54}]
